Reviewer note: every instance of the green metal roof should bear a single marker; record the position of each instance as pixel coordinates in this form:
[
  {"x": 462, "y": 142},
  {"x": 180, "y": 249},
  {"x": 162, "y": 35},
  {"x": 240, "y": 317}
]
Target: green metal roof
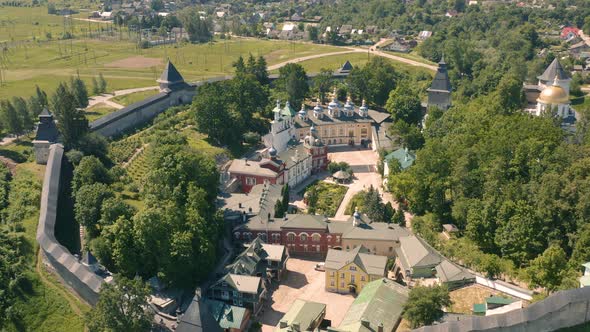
[
  {"x": 380, "y": 302},
  {"x": 479, "y": 308},
  {"x": 288, "y": 110},
  {"x": 498, "y": 300},
  {"x": 227, "y": 316},
  {"x": 405, "y": 157}
]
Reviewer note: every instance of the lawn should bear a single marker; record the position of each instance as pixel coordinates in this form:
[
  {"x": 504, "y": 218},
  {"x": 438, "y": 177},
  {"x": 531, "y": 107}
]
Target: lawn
[
  {"x": 99, "y": 110},
  {"x": 131, "y": 98},
  {"x": 48, "y": 305},
  {"x": 46, "y": 63},
  {"x": 464, "y": 298},
  {"x": 19, "y": 150},
  {"x": 329, "y": 197}
]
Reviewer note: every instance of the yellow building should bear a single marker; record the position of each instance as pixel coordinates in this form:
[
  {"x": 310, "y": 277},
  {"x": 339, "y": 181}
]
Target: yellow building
[{"x": 350, "y": 271}]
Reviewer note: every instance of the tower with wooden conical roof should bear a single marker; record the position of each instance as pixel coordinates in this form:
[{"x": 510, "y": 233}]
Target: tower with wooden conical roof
[
  {"x": 46, "y": 135},
  {"x": 439, "y": 93},
  {"x": 555, "y": 73},
  {"x": 171, "y": 80}
]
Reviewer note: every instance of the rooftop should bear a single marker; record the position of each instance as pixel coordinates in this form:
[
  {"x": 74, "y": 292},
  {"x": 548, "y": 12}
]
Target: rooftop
[
  {"x": 405, "y": 157},
  {"x": 197, "y": 318},
  {"x": 304, "y": 313},
  {"x": 227, "y": 316},
  {"x": 415, "y": 252},
  {"x": 554, "y": 69},
  {"x": 370, "y": 264},
  {"x": 380, "y": 302}
]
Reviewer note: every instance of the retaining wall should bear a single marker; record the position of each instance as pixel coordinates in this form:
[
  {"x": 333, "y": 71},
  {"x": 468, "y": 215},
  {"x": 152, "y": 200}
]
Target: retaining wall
[
  {"x": 75, "y": 274},
  {"x": 561, "y": 310}
]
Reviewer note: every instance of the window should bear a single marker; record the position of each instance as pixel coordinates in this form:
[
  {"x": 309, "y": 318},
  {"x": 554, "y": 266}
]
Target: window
[
  {"x": 250, "y": 181},
  {"x": 353, "y": 268},
  {"x": 364, "y": 132},
  {"x": 303, "y": 237},
  {"x": 317, "y": 248},
  {"x": 362, "y": 278},
  {"x": 291, "y": 237},
  {"x": 342, "y": 275},
  {"x": 352, "y": 278},
  {"x": 332, "y": 274},
  {"x": 342, "y": 285},
  {"x": 225, "y": 295},
  {"x": 341, "y": 131},
  {"x": 316, "y": 237},
  {"x": 332, "y": 283},
  {"x": 305, "y": 248},
  {"x": 390, "y": 249},
  {"x": 263, "y": 237},
  {"x": 237, "y": 235}
]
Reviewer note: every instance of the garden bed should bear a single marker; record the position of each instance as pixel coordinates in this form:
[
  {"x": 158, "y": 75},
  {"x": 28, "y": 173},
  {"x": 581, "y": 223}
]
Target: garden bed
[{"x": 324, "y": 198}]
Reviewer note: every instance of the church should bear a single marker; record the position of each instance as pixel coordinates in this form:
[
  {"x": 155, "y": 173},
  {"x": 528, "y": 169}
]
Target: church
[{"x": 551, "y": 94}]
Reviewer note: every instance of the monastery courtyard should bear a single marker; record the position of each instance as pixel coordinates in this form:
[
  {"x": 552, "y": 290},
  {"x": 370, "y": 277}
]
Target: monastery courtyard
[{"x": 303, "y": 282}]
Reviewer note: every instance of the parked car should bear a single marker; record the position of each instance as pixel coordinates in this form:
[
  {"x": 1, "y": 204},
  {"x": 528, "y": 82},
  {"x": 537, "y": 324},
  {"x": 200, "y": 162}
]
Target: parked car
[{"x": 320, "y": 266}]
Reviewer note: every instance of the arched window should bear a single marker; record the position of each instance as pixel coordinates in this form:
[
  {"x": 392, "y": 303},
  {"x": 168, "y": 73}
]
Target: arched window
[
  {"x": 316, "y": 237},
  {"x": 291, "y": 237},
  {"x": 263, "y": 237},
  {"x": 303, "y": 237},
  {"x": 237, "y": 235}
]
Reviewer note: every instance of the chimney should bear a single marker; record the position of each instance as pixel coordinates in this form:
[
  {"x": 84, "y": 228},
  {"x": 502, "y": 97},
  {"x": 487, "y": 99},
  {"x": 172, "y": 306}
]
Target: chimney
[{"x": 380, "y": 327}]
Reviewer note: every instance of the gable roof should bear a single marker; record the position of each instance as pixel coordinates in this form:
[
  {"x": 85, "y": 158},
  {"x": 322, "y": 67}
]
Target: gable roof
[
  {"x": 448, "y": 272},
  {"x": 227, "y": 316},
  {"x": 170, "y": 74},
  {"x": 197, "y": 318},
  {"x": 370, "y": 264},
  {"x": 244, "y": 284},
  {"x": 380, "y": 302},
  {"x": 554, "y": 69},
  {"x": 302, "y": 312},
  {"x": 374, "y": 231},
  {"x": 415, "y": 252},
  {"x": 346, "y": 67}
]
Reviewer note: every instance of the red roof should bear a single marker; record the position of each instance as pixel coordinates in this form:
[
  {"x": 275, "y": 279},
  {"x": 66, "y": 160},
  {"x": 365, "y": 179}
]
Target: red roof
[{"x": 567, "y": 30}]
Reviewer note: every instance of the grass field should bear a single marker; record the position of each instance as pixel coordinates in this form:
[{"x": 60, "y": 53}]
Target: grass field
[
  {"x": 45, "y": 63},
  {"x": 98, "y": 110},
  {"x": 131, "y": 98},
  {"x": 581, "y": 103},
  {"x": 48, "y": 306}
]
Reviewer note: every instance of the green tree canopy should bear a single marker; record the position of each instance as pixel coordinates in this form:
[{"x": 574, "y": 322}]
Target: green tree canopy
[{"x": 425, "y": 305}]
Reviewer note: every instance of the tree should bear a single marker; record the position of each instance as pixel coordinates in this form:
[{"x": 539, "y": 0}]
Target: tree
[
  {"x": 20, "y": 106},
  {"x": 71, "y": 122},
  {"x": 285, "y": 197},
  {"x": 293, "y": 80},
  {"x": 313, "y": 33},
  {"x": 547, "y": 269},
  {"x": 157, "y": 5},
  {"x": 425, "y": 305},
  {"x": 279, "y": 210},
  {"x": 404, "y": 105},
  {"x": 373, "y": 82},
  {"x": 240, "y": 66},
  {"x": 79, "y": 91},
  {"x": 197, "y": 28},
  {"x": 89, "y": 200},
  {"x": 122, "y": 306},
  {"x": 95, "y": 86},
  {"x": 581, "y": 252},
  {"x": 399, "y": 218},
  {"x": 214, "y": 117},
  {"x": 89, "y": 171},
  {"x": 322, "y": 83},
  {"x": 260, "y": 71},
  {"x": 102, "y": 84},
  {"x": 10, "y": 118}
]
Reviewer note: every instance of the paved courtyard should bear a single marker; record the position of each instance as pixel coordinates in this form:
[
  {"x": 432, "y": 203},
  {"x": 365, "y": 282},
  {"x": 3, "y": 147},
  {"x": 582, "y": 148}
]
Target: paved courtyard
[{"x": 303, "y": 282}]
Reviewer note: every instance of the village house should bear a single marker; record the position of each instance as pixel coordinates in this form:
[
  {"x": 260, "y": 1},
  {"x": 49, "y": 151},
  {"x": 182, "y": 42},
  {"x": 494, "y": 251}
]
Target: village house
[
  {"x": 350, "y": 271},
  {"x": 415, "y": 259},
  {"x": 239, "y": 290}
]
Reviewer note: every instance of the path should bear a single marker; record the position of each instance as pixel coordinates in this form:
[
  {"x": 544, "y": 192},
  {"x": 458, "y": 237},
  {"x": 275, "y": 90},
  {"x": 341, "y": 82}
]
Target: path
[
  {"x": 7, "y": 140},
  {"x": 106, "y": 97},
  {"x": 135, "y": 154},
  {"x": 355, "y": 50}
]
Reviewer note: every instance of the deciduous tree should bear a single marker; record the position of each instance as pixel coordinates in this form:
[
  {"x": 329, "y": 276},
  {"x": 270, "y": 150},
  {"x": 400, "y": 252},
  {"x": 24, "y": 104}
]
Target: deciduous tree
[{"x": 425, "y": 305}]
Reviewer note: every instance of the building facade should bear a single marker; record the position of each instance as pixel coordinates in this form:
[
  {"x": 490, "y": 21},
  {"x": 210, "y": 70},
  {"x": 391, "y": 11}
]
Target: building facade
[{"x": 350, "y": 271}]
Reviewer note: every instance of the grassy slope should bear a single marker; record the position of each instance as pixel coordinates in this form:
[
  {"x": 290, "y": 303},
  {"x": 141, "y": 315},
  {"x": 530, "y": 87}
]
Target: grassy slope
[
  {"x": 131, "y": 98},
  {"x": 98, "y": 110},
  {"x": 49, "y": 306}
]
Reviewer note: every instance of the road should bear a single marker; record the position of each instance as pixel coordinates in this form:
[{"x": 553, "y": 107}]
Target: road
[{"x": 356, "y": 50}]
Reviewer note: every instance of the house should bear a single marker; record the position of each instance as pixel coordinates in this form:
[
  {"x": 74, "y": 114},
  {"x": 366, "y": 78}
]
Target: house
[
  {"x": 569, "y": 33},
  {"x": 585, "y": 279},
  {"x": 577, "y": 50},
  {"x": 350, "y": 271},
  {"x": 378, "y": 307},
  {"x": 197, "y": 317},
  {"x": 415, "y": 259},
  {"x": 229, "y": 317},
  {"x": 106, "y": 16},
  {"x": 238, "y": 207},
  {"x": 424, "y": 35},
  {"x": 345, "y": 29},
  {"x": 302, "y": 316},
  {"x": 260, "y": 259},
  {"x": 452, "y": 275},
  {"x": 239, "y": 290},
  {"x": 403, "y": 158}
]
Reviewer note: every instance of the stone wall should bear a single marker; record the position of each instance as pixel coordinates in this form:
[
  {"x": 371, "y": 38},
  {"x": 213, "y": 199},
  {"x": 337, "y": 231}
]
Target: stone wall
[
  {"x": 563, "y": 309},
  {"x": 136, "y": 114},
  {"x": 75, "y": 274}
]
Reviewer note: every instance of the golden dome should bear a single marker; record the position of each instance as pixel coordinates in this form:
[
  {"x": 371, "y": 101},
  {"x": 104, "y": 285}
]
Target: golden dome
[{"x": 553, "y": 95}]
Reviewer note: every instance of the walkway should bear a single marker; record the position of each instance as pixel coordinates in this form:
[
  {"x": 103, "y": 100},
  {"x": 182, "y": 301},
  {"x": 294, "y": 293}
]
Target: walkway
[{"x": 106, "y": 98}]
